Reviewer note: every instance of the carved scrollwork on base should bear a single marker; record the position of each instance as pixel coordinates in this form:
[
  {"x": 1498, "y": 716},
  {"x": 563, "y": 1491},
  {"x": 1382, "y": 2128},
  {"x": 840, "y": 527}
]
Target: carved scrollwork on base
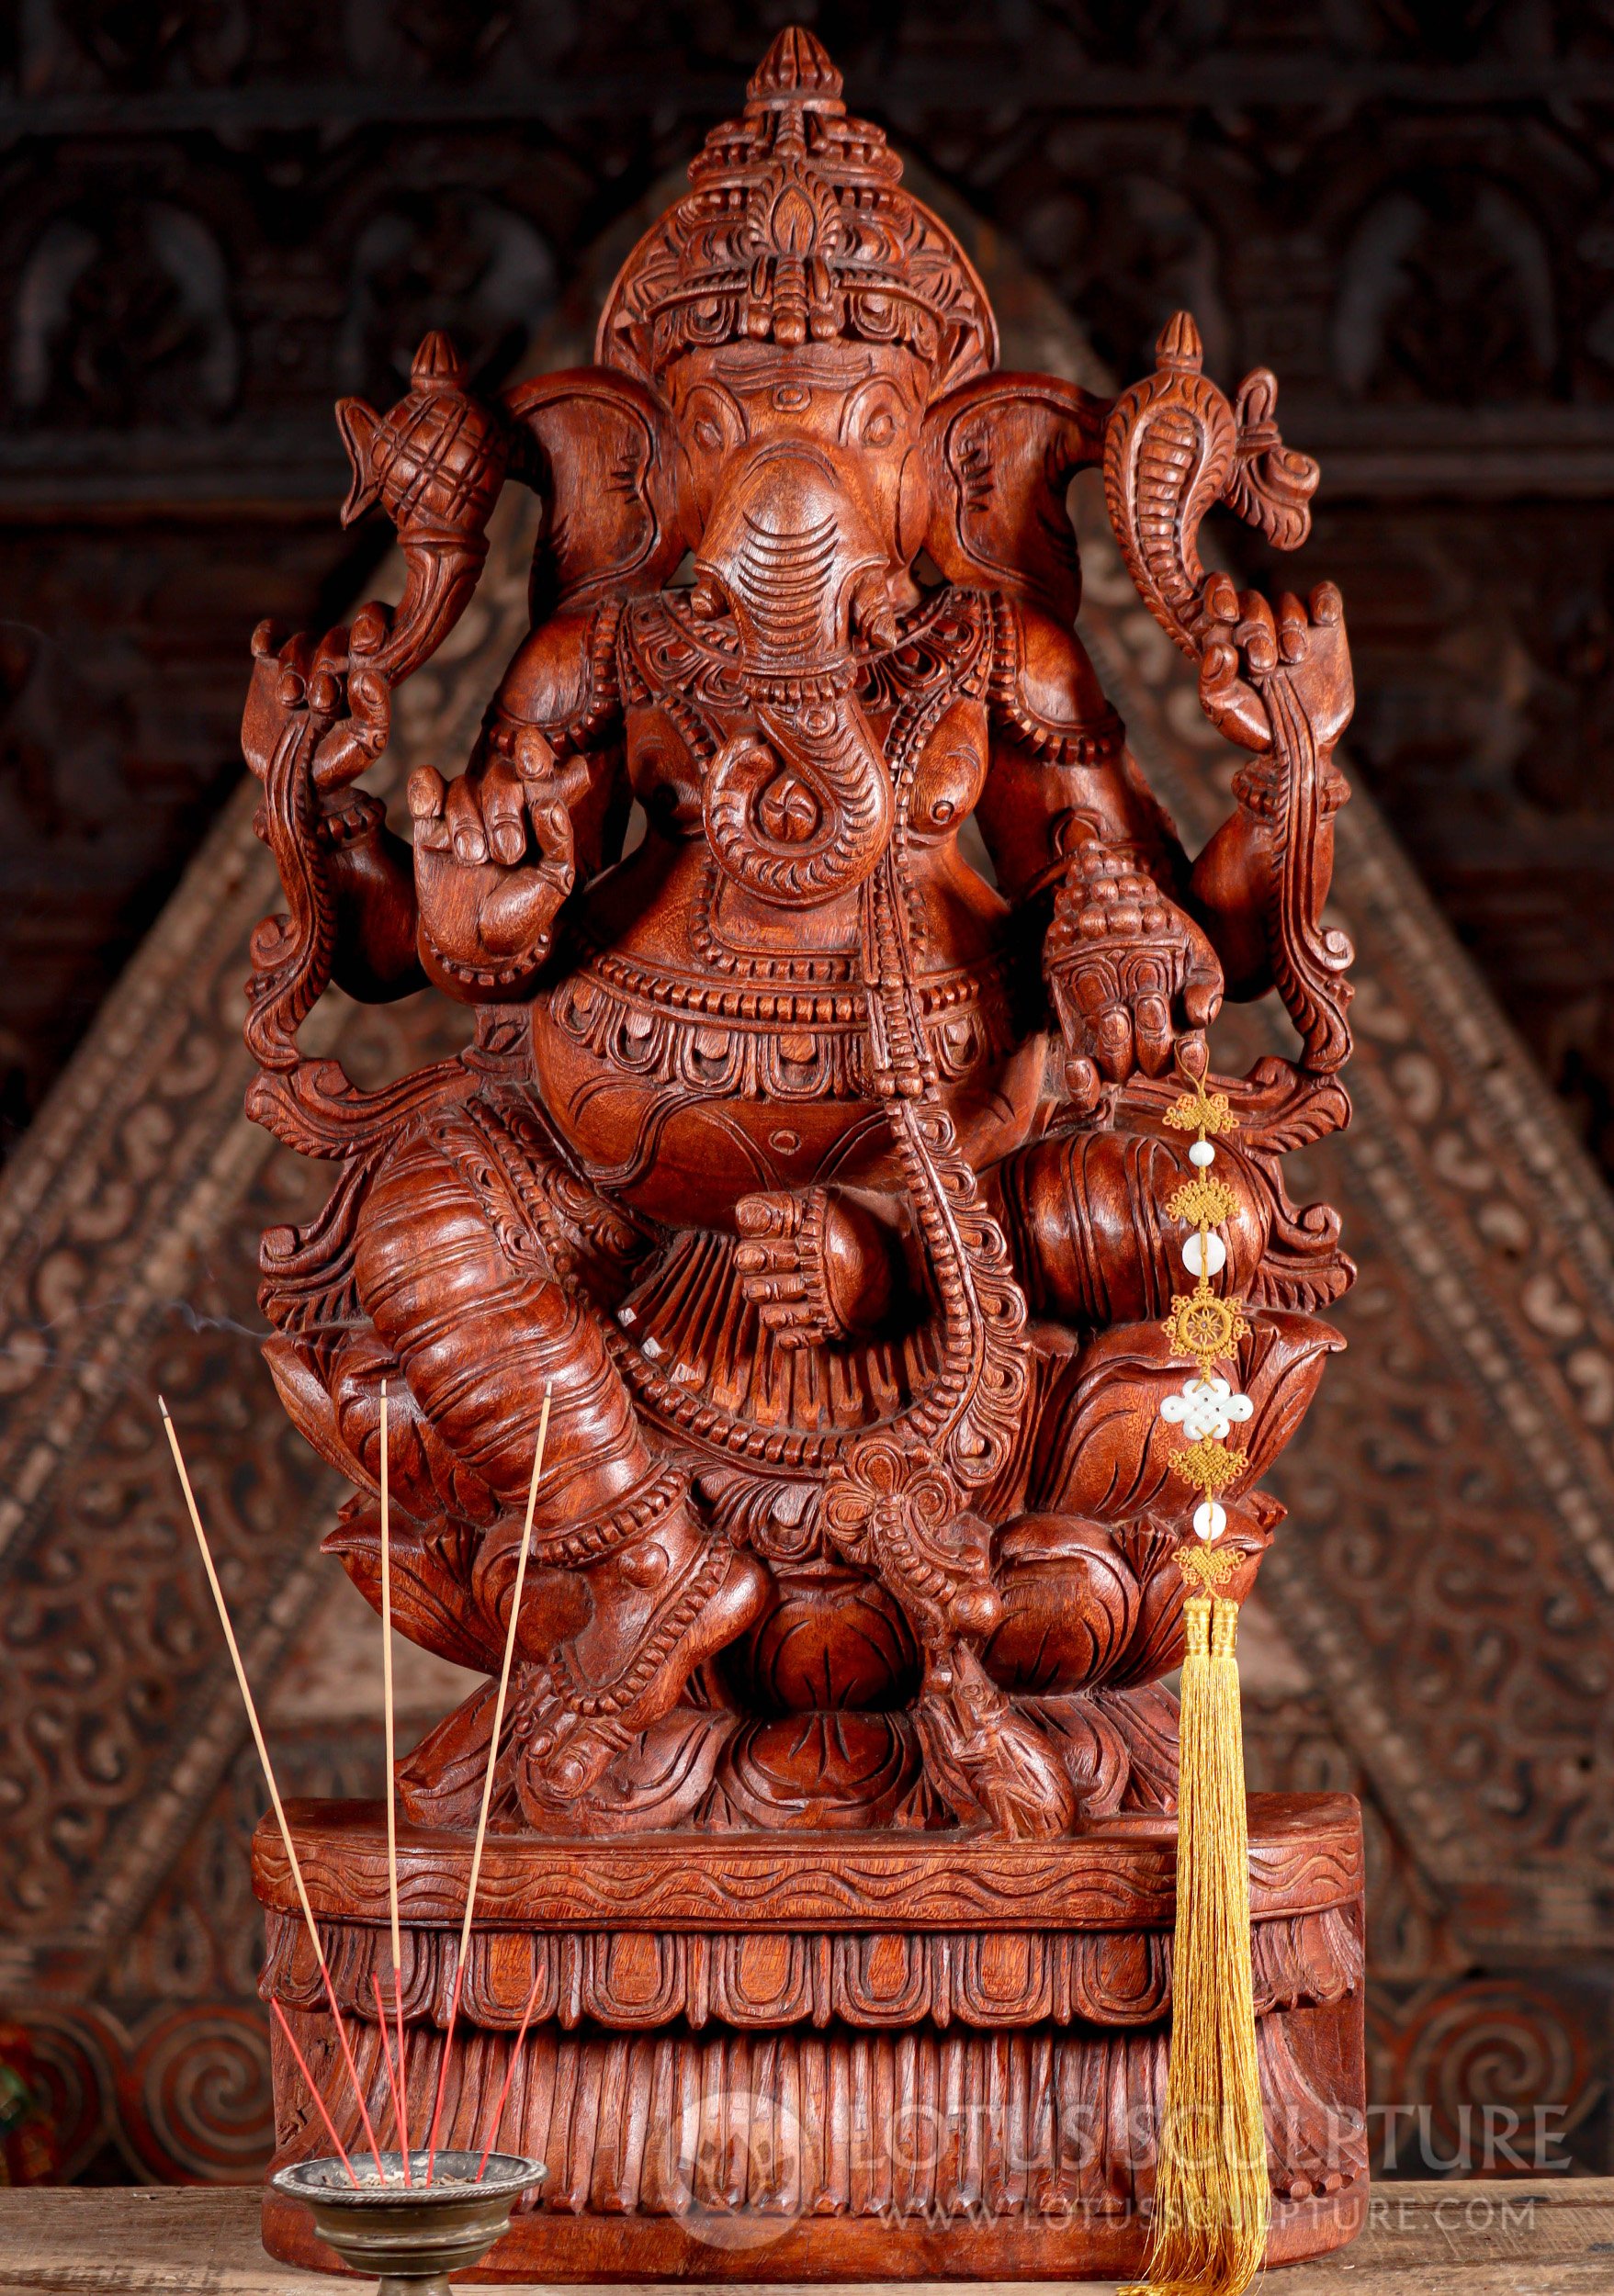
[{"x": 909, "y": 2065}]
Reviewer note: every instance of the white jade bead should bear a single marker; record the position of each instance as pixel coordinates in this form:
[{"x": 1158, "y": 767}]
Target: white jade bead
[
  {"x": 1202, "y": 1154},
  {"x": 1209, "y": 1519},
  {"x": 1215, "y": 1255}
]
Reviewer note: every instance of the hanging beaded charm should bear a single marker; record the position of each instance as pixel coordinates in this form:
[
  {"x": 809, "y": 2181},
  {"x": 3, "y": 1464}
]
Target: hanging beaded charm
[{"x": 1206, "y": 1328}]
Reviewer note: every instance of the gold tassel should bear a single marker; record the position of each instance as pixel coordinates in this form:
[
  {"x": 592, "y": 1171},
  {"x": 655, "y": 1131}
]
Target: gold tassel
[{"x": 1212, "y": 2198}]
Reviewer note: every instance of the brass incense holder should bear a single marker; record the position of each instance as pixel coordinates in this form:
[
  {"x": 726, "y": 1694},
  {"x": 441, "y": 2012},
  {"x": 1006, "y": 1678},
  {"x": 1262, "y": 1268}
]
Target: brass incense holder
[{"x": 413, "y": 2235}]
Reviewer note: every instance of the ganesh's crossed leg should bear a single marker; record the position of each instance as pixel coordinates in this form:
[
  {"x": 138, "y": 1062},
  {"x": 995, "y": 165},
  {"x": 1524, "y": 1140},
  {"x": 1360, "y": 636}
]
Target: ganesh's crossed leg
[{"x": 628, "y": 1592}]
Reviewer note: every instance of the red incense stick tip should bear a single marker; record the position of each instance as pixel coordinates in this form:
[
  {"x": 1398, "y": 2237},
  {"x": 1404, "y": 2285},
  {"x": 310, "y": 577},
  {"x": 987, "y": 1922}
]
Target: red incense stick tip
[{"x": 313, "y": 2092}]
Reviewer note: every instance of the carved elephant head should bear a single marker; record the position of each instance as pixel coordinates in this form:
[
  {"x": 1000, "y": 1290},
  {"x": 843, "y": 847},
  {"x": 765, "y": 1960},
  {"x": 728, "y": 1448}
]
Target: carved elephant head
[
  {"x": 799, "y": 804},
  {"x": 805, "y": 482},
  {"x": 803, "y": 495}
]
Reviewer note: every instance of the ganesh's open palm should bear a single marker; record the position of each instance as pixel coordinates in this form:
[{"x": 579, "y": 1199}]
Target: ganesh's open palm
[
  {"x": 1246, "y": 643},
  {"x": 493, "y": 861}
]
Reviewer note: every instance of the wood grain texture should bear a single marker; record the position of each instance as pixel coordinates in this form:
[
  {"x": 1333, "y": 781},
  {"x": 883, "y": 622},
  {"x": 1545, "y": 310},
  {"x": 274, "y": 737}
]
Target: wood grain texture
[
  {"x": 830, "y": 1186},
  {"x": 1305, "y": 1854},
  {"x": 1552, "y": 2236}
]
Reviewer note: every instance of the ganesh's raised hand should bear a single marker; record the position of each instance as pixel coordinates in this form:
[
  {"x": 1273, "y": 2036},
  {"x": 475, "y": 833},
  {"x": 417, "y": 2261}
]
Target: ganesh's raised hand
[
  {"x": 493, "y": 861},
  {"x": 1246, "y": 643},
  {"x": 277, "y": 698},
  {"x": 1130, "y": 976},
  {"x": 324, "y": 687}
]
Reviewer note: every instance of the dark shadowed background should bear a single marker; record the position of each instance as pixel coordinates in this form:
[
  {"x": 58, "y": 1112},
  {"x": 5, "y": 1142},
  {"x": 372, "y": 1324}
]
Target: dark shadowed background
[{"x": 216, "y": 216}]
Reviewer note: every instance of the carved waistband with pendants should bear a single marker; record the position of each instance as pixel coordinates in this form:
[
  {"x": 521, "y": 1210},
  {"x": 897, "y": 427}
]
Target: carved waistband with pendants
[{"x": 724, "y": 1037}]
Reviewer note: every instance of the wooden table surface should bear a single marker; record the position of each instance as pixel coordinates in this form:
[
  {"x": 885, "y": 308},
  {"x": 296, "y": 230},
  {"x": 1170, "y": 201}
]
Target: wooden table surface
[{"x": 1541, "y": 2237}]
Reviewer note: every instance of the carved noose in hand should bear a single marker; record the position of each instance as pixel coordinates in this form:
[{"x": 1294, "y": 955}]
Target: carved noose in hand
[
  {"x": 1279, "y": 686},
  {"x": 435, "y": 463}
]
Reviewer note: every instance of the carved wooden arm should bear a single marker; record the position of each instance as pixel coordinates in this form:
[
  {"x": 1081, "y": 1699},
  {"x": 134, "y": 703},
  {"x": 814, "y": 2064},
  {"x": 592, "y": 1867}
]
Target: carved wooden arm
[
  {"x": 435, "y": 462},
  {"x": 1278, "y": 686}
]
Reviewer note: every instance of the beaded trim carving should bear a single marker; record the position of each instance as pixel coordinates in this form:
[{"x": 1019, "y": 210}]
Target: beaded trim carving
[{"x": 1206, "y": 1327}]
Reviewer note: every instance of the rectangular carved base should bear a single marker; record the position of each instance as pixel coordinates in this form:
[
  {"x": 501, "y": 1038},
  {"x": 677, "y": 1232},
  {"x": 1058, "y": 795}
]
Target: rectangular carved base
[
  {"x": 774, "y": 2058},
  {"x": 595, "y": 2247}
]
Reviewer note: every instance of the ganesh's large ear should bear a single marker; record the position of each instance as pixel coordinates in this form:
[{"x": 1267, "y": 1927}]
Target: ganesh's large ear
[
  {"x": 1000, "y": 454},
  {"x": 597, "y": 448}
]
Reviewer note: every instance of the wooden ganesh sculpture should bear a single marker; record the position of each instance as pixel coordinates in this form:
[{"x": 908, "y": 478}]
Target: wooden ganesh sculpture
[{"x": 823, "y": 1178}]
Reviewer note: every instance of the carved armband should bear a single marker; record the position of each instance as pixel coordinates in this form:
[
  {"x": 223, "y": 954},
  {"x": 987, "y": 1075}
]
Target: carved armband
[
  {"x": 574, "y": 727},
  {"x": 1261, "y": 786},
  {"x": 604, "y": 702},
  {"x": 485, "y": 978},
  {"x": 1015, "y": 703},
  {"x": 350, "y": 820}
]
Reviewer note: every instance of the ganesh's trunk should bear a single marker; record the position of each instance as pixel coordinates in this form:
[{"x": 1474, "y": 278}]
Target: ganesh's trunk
[
  {"x": 799, "y": 804},
  {"x": 800, "y": 811}
]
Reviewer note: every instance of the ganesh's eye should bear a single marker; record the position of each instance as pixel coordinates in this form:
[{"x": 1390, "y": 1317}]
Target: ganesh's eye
[
  {"x": 709, "y": 435},
  {"x": 880, "y": 429}
]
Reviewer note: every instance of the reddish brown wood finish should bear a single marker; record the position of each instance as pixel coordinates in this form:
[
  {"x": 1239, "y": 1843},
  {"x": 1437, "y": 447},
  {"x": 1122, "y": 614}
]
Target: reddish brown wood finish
[
  {"x": 820, "y": 1179},
  {"x": 780, "y": 2058},
  {"x": 982, "y": 2244}
]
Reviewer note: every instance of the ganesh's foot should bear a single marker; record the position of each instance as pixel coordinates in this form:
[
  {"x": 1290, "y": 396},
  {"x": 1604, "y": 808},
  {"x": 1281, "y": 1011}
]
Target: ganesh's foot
[
  {"x": 629, "y": 1666},
  {"x": 989, "y": 1762},
  {"x": 817, "y": 1266}
]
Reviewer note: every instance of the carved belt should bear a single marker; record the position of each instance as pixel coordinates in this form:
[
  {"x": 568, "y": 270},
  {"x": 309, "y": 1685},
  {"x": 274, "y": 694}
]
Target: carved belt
[{"x": 771, "y": 1044}]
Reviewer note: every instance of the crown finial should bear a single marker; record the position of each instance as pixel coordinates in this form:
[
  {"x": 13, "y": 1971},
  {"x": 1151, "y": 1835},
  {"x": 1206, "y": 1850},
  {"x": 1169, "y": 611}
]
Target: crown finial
[
  {"x": 796, "y": 70},
  {"x": 796, "y": 228}
]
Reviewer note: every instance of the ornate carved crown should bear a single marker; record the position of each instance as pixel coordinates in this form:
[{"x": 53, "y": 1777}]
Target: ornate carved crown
[{"x": 796, "y": 230}]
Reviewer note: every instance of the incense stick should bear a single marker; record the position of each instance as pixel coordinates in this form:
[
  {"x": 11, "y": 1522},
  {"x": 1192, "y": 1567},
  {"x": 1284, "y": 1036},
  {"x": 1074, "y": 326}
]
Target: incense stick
[
  {"x": 475, "y": 1862},
  {"x": 394, "y": 2073},
  {"x": 269, "y": 1768},
  {"x": 398, "y": 2089},
  {"x": 402, "y": 2083},
  {"x": 313, "y": 2092},
  {"x": 510, "y": 2072}
]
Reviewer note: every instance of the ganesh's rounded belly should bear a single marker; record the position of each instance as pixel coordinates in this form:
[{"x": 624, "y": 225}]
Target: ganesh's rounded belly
[{"x": 681, "y": 1095}]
